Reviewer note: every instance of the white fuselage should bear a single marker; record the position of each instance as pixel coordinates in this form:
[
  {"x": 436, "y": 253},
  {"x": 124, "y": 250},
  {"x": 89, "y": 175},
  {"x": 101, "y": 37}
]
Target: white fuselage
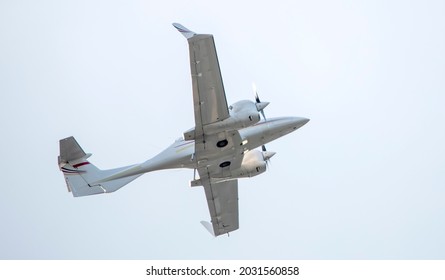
[{"x": 181, "y": 153}]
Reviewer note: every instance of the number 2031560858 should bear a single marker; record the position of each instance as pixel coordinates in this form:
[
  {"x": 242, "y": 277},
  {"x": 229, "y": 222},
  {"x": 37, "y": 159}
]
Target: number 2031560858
[{"x": 260, "y": 271}]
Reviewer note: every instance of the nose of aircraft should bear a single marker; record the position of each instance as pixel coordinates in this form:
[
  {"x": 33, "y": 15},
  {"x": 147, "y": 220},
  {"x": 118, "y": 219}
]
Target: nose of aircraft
[{"x": 299, "y": 122}]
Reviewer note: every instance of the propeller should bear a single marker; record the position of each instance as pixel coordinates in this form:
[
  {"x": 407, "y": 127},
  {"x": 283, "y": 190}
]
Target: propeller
[{"x": 259, "y": 105}]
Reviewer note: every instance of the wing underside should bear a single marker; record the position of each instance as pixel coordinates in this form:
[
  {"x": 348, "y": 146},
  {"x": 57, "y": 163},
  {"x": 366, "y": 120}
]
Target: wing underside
[
  {"x": 210, "y": 106},
  {"x": 208, "y": 90},
  {"x": 222, "y": 200}
]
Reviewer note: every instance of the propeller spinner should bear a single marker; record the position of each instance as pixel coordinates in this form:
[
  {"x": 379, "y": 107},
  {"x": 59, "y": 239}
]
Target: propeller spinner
[{"x": 267, "y": 155}]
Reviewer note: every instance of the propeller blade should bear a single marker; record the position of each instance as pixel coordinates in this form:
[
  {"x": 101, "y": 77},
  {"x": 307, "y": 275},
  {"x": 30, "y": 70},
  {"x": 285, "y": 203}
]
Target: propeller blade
[
  {"x": 264, "y": 116},
  {"x": 259, "y": 105},
  {"x": 257, "y": 99}
]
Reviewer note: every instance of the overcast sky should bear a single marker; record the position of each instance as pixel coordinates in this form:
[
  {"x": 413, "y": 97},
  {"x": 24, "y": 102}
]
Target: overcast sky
[{"x": 364, "y": 179}]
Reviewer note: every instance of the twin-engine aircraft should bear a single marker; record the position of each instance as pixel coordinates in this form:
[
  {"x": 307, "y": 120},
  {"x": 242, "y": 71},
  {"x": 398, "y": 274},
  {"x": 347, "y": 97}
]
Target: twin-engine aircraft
[{"x": 221, "y": 146}]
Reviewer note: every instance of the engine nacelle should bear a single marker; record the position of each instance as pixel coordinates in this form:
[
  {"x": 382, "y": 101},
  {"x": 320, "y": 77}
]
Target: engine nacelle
[
  {"x": 242, "y": 114},
  {"x": 253, "y": 164}
]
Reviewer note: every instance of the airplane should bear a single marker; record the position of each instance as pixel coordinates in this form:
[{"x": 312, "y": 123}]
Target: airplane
[{"x": 221, "y": 148}]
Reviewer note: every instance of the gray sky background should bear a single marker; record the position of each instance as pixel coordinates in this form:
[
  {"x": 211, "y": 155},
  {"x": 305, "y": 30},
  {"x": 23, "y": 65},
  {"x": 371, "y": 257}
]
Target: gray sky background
[{"x": 364, "y": 179}]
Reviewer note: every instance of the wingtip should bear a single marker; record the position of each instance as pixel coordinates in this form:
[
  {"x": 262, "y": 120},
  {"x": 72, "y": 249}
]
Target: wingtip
[
  {"x": 208, "y": 227},
  {"x": 187, "y": 33}
]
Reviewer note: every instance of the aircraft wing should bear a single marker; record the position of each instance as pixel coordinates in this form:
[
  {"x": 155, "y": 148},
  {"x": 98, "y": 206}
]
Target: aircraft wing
[
  {"x": 222, "y": 200},
  {"x": 210, "y": 106},
  {"x": 209, "y": 98}
]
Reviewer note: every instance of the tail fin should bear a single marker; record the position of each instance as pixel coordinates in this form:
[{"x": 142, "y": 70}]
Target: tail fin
[{"x": 81, "y": 175}]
